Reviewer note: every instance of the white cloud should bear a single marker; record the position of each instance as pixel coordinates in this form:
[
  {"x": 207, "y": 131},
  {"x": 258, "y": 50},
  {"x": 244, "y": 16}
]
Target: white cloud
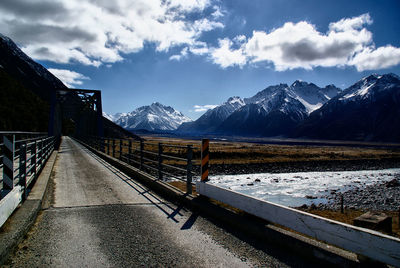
[
  {"x": 95, "y": 32},
  {"x": 349, "y": 24},
  {"x": 218, "y": 13},
  {"x": 69, "y": 78},
  {"x": 301, "y": 45},
  {"x": 382, "y": 57},
  {"x": 203, "y": 108},
  {"x": 226, "y": 56}
]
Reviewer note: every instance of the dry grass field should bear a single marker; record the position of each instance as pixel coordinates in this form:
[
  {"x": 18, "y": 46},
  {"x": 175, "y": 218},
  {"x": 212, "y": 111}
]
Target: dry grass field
[
  {"x": 246, "y": 152},
  {"x": 254, "y": 153}
]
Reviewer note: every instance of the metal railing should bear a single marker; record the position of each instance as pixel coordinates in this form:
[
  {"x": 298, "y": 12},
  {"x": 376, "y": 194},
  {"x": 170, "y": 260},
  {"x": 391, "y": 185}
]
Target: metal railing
[
  {"x": 164, "y": 161},
  {"x": 22, "y": 157}
]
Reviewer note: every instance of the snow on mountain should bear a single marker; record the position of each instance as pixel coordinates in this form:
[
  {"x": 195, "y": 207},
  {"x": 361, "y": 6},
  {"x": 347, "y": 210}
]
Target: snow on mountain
[
  {"x": 153, "y": 117},
  {"x": 211, "y": 120},
  {"x": 114, "y": 117},
  {"x": 274, "y": 104},
  {"x": 369, "y": 86},
  {"x": 369, "y": 110},
  {"x": 226, "y": 109},
  {"x": 286, "y": 98}
]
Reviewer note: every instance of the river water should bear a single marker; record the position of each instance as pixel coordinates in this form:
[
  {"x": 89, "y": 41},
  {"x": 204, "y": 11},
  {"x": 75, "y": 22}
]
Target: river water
[{"x": 296, "y": 189}]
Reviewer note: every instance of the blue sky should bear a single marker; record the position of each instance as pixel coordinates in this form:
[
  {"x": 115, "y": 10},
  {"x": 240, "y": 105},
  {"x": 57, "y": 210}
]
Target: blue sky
[{"x": 193, "y": 54}]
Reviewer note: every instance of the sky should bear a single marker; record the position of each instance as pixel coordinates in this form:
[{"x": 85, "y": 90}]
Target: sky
[{"x": 195, "y": 54}]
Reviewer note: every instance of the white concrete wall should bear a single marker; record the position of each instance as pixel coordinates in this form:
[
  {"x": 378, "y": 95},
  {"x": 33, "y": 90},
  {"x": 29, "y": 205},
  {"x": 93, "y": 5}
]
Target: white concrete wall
[
  {"x": 9, "y": 203},
  {"x": 363, "y": 241}
]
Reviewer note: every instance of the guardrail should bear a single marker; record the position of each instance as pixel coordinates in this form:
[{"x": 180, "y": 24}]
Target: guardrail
[
  {"x": 165, "y": 161},
  {"x": 23, "y": 155}
]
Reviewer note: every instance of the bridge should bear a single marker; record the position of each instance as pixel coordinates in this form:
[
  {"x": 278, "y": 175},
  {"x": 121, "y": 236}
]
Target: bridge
[
  {"x": 94, "y": 214},
  {"x": 95, "y": 200}
]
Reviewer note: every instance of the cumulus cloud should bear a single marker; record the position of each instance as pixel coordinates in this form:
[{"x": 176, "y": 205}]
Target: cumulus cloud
[
  {"x": 95, "y": 32},
  {"x": 69, "y": 78},
  {"x": 203, "y": 108},
  {"x": 382, "y": 57},
  {"x": 226, "y": 56},
  {"x": 301, "y": 45}
]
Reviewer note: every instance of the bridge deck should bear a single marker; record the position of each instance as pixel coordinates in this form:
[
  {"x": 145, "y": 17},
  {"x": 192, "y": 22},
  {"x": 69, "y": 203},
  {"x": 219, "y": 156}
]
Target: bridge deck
[{"x": 98, "y": 216}]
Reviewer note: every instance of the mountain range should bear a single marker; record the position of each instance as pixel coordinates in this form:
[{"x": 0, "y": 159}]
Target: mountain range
[
  {"x": 274, "y": 111},
  {"x": 369, "y": 110}
]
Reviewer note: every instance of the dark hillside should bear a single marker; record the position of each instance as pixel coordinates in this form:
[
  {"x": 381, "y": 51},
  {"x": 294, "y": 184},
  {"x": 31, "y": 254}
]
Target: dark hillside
[{"x": 20, "y": 108}]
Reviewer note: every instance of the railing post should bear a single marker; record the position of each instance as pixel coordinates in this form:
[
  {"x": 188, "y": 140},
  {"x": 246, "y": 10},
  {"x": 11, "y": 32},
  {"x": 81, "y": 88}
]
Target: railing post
[
  {"x": 160, "y": 151},
  {"x": 40, "y": 154},
  {"x": 22, "y": 169},
  {"x": 33, "y": 159},
  {"x": 8, "y": 164},
  {"x": 141, "y": 154},
  {"x": 189, "y": 170},
  {"x": 120, "y": 149},
  {"x": 108, "y": 146},
  {"x": 204, "y": 159},
  {"x": 113, "y": 147},
  {"x": 129, "y": 151}
]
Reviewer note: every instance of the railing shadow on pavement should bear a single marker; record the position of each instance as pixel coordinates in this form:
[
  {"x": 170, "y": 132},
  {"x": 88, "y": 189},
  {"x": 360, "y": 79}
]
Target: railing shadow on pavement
[{"x": 143, "y": 191}]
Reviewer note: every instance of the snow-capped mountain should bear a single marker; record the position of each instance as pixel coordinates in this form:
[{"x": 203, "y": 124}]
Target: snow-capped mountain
[
  {"x": 114, "y": 117},
  {"x": 154, "y": 117},
  {"x": 367, "y": 110},
  {"x": 287, "y": 98},
  {"x": 211, "y": 120},
  {"x": 272, "y": 111}
]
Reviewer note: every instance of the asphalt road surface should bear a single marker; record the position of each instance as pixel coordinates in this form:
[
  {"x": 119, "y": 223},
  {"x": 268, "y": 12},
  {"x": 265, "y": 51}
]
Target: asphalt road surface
[{"x": 100, "y": 217}]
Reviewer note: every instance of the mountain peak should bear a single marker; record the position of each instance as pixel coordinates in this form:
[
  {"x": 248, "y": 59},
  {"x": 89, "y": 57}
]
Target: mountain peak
[
  {"x": 235, "y": 101},
  {"x": 299, "y": 83},
  {"x": 152, "y": 117}
]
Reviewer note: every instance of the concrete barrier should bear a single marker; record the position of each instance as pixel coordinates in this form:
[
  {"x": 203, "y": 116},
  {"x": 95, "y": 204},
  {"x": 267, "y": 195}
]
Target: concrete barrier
[{"x": 362, "y": 241}]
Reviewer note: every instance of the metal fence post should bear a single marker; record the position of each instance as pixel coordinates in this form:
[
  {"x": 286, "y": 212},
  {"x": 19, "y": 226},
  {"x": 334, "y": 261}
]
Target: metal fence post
[
  {"x": 108, "y": 146},
  {"x": 189, "y": 170},
  {"x": 120, "y": 149},
  {"x": 141, "y": 154},
  {"x": 33, "y": 159},
  {"x": 40, "y": 154},
  {"x": 160, "y": 151},
  {"x": 22, "y": 169},
  {"x": 8, "y": 164},
  {"x": 113, "y": 147},
  {"x": 129, "y": 151}
]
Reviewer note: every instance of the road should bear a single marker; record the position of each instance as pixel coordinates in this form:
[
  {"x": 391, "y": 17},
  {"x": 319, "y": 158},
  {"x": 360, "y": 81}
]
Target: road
[{"x": 99, "y": 217}]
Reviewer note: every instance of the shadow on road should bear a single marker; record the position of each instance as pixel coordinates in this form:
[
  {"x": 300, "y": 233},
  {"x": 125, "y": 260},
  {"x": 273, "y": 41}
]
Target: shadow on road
[{"x": 145, "y": 192}]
